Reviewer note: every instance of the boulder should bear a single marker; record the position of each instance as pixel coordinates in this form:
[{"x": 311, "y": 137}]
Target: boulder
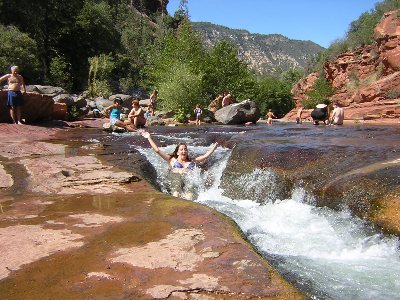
[
  {"x": 48, "y": 90},
  {"x": 36, "y": 108},
  {"x": 126, "y": 100},
  {"x": 238, "y": 113},
  {"x": 60, "y": 111},
  {"x": 365, "y": 78},
  {"x": 80, "y": 102},
  {"x": 111, "y": 128},
  {"x": 144, "y": 102},
  {"x": 102, "y": 103},
  {"x": 64, "y": 98},
  {"x": 155, "y": 121}
]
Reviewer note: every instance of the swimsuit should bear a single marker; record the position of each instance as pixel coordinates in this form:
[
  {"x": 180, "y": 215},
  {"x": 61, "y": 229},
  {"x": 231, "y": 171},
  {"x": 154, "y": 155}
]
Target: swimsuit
[
  {"x": 14, "y": 98},
  {"x": 114, "y": 115},
  {"x": 179, "y": 182},
  {"x": 13, "y": 80},
  {"x": 178, "y": 165},
  {"x": 197, "y": 112}
]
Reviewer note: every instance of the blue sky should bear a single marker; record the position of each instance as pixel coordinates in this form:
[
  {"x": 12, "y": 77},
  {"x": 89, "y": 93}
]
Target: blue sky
[{"x": 320, "y": 21}]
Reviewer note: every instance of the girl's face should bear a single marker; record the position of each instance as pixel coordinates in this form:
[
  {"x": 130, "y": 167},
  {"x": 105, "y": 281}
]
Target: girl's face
[{"x": 182, "y": 150}]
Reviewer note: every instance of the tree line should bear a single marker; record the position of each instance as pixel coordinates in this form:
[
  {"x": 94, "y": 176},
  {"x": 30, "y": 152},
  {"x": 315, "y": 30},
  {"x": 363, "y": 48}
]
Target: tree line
[{"x": 107, "y": 47}]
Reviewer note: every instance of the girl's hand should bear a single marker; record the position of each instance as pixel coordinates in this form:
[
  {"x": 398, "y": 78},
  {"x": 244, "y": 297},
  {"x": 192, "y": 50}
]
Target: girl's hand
[{"x": 144, "y": 134}]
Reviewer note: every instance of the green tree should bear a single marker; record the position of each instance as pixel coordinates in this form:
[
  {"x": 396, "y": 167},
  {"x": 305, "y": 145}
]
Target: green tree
[
  {"x": 60, "y": 73},
  {"x": 183, "y": 47},
  {"x": 361, "y": 31},
  {"x": 182, "y": 89},
  {"x": 137, "y": 37},
  {"x": 101, "y": 69},
  {"x": 320, "y": 93},
  {"x": 96, "y": 33},
  {"x": 274, "y": 94},
  {"x": 48, "y": 22},
  {"x": 224, "y": 71},
  {"x": 291, "y": 77},
  {"x": 17, "y": 48}
]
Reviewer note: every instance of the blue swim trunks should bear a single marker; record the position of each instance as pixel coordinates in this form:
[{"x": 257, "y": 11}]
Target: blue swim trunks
[{"x": 14, "y": 98}]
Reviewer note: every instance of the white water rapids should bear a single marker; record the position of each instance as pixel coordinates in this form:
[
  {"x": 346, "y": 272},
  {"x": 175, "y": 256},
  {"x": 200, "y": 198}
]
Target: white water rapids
[{"x": 327, "y": 254}]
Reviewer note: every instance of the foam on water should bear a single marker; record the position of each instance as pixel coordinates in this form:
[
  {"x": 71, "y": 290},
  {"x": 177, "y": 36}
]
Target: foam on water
[{"x": 331, "y": 254}]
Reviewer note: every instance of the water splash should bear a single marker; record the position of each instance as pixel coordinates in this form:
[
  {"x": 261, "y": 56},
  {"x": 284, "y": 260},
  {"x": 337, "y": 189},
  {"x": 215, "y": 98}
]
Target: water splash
[{"x": 329, "y": 254}]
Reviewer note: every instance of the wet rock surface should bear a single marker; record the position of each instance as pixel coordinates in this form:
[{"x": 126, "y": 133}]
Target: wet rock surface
[
  {"x": 73, "y": 225},
  {"x": 355, "y": 166}
]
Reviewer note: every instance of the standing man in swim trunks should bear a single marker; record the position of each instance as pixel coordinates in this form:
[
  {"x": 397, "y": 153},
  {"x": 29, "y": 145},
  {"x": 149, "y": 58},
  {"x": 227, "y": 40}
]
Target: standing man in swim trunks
[{"x": 16, "y": 84}]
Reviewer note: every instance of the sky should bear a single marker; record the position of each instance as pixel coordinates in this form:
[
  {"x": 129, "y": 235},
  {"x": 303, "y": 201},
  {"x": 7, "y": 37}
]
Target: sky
[{"x": 320, "y": 21}]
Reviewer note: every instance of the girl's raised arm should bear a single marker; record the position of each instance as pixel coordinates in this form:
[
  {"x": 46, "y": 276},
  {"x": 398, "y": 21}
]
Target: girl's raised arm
[
  {"x": 153, "y": 145},
  {"x": 203, "y": 157}
]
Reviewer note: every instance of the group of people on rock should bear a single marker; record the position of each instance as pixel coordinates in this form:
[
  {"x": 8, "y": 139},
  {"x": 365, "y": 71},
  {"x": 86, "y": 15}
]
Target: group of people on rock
[
  {"x": 137, "y": 116},
  {"x": 322, "y": 114}
]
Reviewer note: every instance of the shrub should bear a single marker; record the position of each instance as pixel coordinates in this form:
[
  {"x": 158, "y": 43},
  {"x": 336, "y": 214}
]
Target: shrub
[
  {"x": 180, "y": 115},
  {"x": 100, "y": 75},
  {"x": 274, "y": 94},
  {"x": 393, "y": 93},
  {"x": 181, "y": 90},
  {"x": 17, "y": 48},
  {"x": 60, "y": 73},
  {"x": 319, "y": 94}
]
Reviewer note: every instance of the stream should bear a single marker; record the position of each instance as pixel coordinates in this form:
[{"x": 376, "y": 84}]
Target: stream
[{"x": 326, "y": 253}]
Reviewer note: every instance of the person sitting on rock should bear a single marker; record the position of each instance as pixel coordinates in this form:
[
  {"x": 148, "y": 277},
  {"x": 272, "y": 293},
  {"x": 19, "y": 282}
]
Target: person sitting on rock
[
  {"x": 136, "y": 115},
  {"x": 114, "y": 111},
  {"x": 227, "y": 100},
  {"x": 320, "y": 113},
  {"x": 337, "y": 115},
  {"x": 180, "y": 165}
]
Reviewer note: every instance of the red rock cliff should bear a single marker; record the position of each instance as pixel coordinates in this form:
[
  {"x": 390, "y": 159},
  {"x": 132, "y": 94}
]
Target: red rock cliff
[{"x": 367, "y": 80}]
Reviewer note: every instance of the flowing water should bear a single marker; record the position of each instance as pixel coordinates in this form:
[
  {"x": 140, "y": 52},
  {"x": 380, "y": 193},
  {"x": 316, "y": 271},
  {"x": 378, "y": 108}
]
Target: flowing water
[{"x": 328, "y": 254}]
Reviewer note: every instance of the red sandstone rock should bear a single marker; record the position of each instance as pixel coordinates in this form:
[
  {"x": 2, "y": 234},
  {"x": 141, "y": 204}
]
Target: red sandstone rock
[
  {"x": 388, "y": 26},
  {"x": 366, "y": 75},
  {"x": 36, "y": 107}
]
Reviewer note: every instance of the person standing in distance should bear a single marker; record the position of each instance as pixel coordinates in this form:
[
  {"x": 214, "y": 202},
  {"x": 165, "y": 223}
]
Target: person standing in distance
[
  {"x": 16, "y": 86},
  {"x": 153, "y": 102}
]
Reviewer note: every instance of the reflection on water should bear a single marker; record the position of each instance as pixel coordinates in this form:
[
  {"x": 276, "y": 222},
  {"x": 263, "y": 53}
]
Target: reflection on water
[{"x": 100, "y": 202}]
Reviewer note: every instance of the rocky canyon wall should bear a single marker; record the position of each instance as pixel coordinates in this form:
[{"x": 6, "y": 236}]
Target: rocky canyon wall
[{"x": 367, "y": 80}]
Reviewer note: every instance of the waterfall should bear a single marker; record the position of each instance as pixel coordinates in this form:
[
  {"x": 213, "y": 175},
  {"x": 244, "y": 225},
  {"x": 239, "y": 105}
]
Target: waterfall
[{"x": 327, "y": 254}]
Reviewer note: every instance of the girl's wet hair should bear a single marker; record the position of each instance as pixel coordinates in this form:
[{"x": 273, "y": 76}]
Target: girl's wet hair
[
  {"x": 175, "y": 153},
  {"x": 118, "y": 100}
]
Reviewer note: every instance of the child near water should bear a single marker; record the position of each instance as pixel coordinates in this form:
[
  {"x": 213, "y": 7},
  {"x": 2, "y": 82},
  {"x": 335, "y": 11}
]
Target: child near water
[
  {"x": 270, "y": 115},
  {"x": 115, "y": 111},
  {"x": 197, "y": 114}
]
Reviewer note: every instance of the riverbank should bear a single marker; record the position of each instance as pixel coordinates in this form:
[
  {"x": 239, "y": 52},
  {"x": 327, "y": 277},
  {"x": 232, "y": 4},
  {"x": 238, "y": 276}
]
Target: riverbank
[{"x": 74, "y": 226}]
